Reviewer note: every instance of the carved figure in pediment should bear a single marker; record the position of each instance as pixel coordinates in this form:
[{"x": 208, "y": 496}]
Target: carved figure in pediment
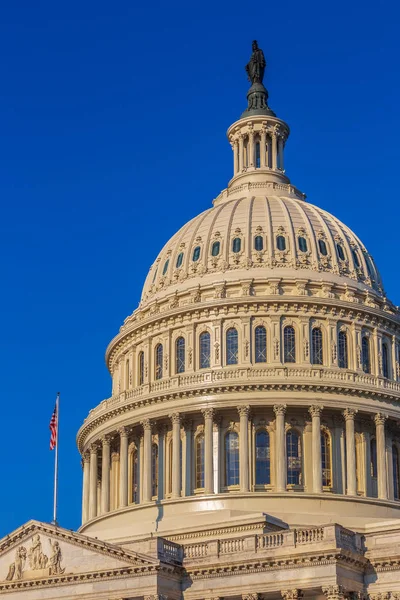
[
  {"x": 37, "y": 560},
  {"x": 16, "y": 568},
  {"x": 55, "y": 559}
]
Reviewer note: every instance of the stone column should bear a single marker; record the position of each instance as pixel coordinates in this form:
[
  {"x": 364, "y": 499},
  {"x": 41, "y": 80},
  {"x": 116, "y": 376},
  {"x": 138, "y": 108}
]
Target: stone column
[
  {"x": 380, "y": 419},
  {"x": 349, "y": 416},
  {"x": 244, "y": 448},
  {"x": 263, "y": 148},
  {"x": 315, "y": 412},
  {"x": 188, "y": 486},
  {"x": 280, "y": 149},
  {"x": 235, "y": 156},
  {"x": 93, "y": 482},
  {"x": 280, "y": 468},
  {"x": 123, "y": 466},
  {"x": 250, "y": 147},
  {"x": 208, "y": 414},
  {"x": 394, "y": 358},
  {"x": 147, "y": 487},
  {"x": 334, "y": 592},
  {"x": 241, "y": 152},
  {"x": 274, "y": 150},
  {"x": 176, "y": 455},
  {"x": 366, "y": 437},
  {"x": 105, "y": 476},
  {"x": 85, "y": 487},
  {"x": 293, "y": 594}
]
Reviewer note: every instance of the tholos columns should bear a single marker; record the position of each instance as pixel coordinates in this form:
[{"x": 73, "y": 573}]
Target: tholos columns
[
  {"x": 146, "y": 460},
  {"x": 263, "y": 147},
  {"x": 123, "y": 467},
  {"x": 176, "y": 455},
  {"x": 349, "y": 416},
  {"x": 93, "y": 482},
  {"x": 86, "y": 487},
  {"x": 208, "y": 451},
  {"x": 279, "y": 410},
  {"x": 244, "y": 448},
  {"x": 315, "y": 412},
  {"x": 334, "y": 592},
  {"x": 380, "y": 419},
  {"x": 105, "y": 476},
  {"x": 274, "y": 151}
]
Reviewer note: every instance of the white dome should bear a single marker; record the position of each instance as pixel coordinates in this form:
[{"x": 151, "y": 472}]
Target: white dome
[{"x": 315, "y": 245}]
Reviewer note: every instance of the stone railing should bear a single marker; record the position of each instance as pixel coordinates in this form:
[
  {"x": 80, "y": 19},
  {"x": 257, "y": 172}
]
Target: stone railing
[
  {"x": 276, "y": 375},
  {"x": 169, "y": 552},
  {"x": 327, "y": 536}
]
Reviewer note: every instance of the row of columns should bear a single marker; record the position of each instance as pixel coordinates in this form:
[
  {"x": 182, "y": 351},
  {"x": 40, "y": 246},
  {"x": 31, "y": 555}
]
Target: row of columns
[
  {"x": 90, "y": 460},
  {"x": 245, "y": 155}
]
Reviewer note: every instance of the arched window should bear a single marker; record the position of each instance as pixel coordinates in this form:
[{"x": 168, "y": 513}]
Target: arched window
[
  {"x": 154, "y": 470},
  {"x": 385, "y": 360},
  {"x": 215, "y": 249},
  {"x": 263, "y": 462},
  {"x": 289, "y": 344},
  {"x": 236, "y": 244},
  {"x": 141, "y": 368},
  {"x": 134, "y": 463},
  {"x": 232, "y": 458},
  {"x": 293, "y": 453},
  {"x": 343, "y": 354},
  {"x": 366, "y": 363},
  {"x": 322, "y": 247},
  {"x": 232, "y": 352},
  {"x": 340, "y": 252},
  {"x": 205, "y": 350},
  {"x": 260, "y": 335},
  {"x": 326, "y": 459},
  {"x": 200, "y": 461},
  {"x": 317, "y": 347},
  {"x": 303, "y": 244},
  {"x": 180, "y": 355},
  {"x": 281, "y": 242},
  {"x": 258, "y": 159},
  {"x": 356, "y": 259},
  {"x": 155, "y": 275},
  {"x": 165, "y": 269},
  {"x": 159, "y": 362},
  {"x": 396, "y": 472},
  {"x": 196, "y": 254},
  {"x": 179, "y": 260},
  {"x": 258, "y": 243},
  {"x": 374, "y": 458},
  {"x": 127, "y": 374}
]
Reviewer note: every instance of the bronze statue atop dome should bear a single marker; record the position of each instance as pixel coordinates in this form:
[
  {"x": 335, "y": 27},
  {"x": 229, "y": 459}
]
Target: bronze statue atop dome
[{"x": 255, "y": 68}]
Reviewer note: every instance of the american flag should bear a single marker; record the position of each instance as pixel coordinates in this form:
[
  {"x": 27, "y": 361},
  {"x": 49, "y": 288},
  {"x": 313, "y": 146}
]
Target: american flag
[{"x": 53, "y": 428}]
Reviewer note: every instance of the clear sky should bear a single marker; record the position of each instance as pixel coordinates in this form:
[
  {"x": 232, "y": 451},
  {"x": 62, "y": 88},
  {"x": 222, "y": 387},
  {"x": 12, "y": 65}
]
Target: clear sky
[{"x": 113, "y": 119}]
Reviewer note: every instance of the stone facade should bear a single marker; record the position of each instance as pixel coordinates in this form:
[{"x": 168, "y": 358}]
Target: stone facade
[{"x": 251, "y": 445}]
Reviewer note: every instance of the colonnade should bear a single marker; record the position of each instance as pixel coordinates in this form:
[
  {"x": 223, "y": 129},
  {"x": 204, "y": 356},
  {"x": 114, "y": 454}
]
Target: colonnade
[
  {"x": 261, "y": 150},
  {"x": 96, "y": 498}
]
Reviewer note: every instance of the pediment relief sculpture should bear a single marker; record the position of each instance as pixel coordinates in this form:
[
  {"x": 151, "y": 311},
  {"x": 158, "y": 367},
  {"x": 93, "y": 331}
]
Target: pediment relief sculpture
[{"x": 33, "y": 562}]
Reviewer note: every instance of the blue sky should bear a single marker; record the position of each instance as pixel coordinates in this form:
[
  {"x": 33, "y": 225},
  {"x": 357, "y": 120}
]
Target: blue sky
[{"x": 113, "y": 120}]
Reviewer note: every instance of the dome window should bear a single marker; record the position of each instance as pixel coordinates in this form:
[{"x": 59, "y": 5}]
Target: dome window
[
  {"x": 369, "y": 268},
  {"x": 236, "y": 245},
  {"x": 356, "y": 259},
  {"x": 281, "y": 242},
  {"x": 258, "y": 243},
  {"x": 179, "y": 260},
  {"x": 155, "y": 275},
  {"x": 215, "y": 248},
  {"x": 196, "y": 254},
  {"x": 340, "y": 251},
  {"x": 322, "y": 248},
  {"x": 258, "y": 155},
  {"x": 165, "y": 269},
  {"x": 302, "y": 244}
]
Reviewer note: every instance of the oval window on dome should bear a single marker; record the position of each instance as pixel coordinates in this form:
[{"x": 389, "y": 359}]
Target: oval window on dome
[
  {"x": 356, "y": 259},
  {"x": 165, "y": 269},
  {"x": 215, "y": 248},
  {"x": 302, "y": 244},
  {"x": 258, "y": 243},
  {"x": 281, "y": 242},
  {"x": 322, "y": 247},
  {"x": 236, "y": 245},
  {"x": 155, "y": 275},
  {"x": 196, "y": 254},
  {"x": 179, "y": 260},
  {"x": 340, "y": 252}
]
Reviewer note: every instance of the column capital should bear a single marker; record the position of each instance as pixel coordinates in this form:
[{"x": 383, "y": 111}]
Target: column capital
[
  {"x": 94, "y": 448},
  {"x": 293, "y": 594},
  {"x": 105, "y": 440},
  {"x": 146, "y": 424},
  {"x": 86, "y": 457},
  {"x": 208, "y": 413},
  {"x": 315, "y": 410},
  {"x": 349, "y": 414},
  {"x": 175, "y": 418},
  {"x": 280, "y": 409},
  {"x": 123, "y": 431},
  {"x": 334, "y": 592},
  {"x": 253, "y": 596},
  {"x": 243, "y": 411},
  {"x": 380, "y": 419}
]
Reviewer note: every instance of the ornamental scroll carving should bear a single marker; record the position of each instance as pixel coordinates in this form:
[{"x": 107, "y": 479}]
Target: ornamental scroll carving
[{"x": 37, "y": 560}]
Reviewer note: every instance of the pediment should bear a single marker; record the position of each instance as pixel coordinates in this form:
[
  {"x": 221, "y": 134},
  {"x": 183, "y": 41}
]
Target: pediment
[{"x": 41, "y": 551}]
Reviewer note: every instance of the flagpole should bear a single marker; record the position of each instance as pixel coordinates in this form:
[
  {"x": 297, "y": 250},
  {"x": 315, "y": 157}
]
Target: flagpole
[{"x": 56, "y": 462}]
